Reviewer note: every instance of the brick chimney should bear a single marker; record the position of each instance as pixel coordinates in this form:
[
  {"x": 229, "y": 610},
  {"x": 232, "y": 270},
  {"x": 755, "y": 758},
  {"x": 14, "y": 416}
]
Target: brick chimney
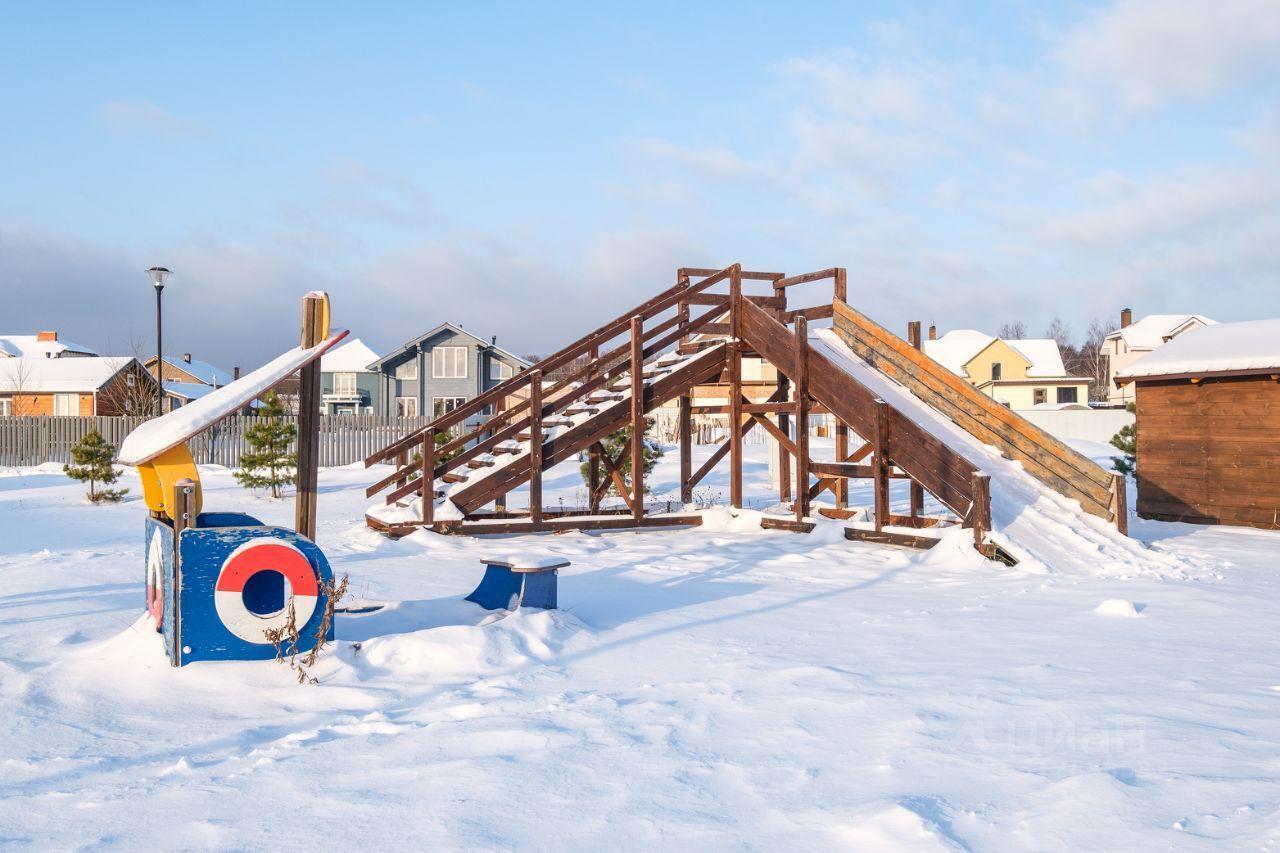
[
  {"x": 235, "y": 372},
  {"x": 1126, "y": 318},
  {"x": 46, "y": 336},
  {"x": 186, "y": 358},
  {"x": 933, "y": 332}
]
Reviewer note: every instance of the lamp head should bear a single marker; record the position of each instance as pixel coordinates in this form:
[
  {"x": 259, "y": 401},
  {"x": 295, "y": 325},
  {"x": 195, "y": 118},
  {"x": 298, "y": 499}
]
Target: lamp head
[{"x": 159, "y": 275}]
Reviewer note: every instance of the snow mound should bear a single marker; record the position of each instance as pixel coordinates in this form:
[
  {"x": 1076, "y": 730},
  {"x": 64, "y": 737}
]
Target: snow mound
[
  {"x": 896, "y": 828},
  {"x": 1118, "y": 607}
]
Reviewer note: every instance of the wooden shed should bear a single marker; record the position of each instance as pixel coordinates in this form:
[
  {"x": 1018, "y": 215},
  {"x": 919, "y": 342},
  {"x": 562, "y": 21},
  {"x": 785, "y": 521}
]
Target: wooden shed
[{"x": 1208, "y": 421}]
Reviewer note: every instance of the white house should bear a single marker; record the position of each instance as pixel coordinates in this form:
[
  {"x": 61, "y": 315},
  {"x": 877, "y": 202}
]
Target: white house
[
  {"x": 41, "y": 345},
  {"x": 348, "y": 385},
  {"x": 1133, "y": 340}
]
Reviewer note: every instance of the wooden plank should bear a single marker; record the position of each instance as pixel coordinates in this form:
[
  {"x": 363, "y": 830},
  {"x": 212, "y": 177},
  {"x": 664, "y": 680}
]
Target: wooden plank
[
  {"x": 772, "y": 522},
  {"x": 806, "y": 278},
  {"x": 1120, "y": 492},
  {"x": 817, "y": 312},
  {"x": 888, "y": 537},
  {"x": 308, "y": 438},
  {"x": 980, "y": 513},
  {"x": 428, "y": 476},
  {"x": 570, "y": 522},
  {"x": 753, "y": 275},
  {"x": 842, "y": 451}
]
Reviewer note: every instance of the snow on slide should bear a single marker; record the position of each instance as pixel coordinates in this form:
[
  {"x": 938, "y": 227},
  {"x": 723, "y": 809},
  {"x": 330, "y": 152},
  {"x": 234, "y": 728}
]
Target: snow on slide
[
  {"x": 156, "y": 436},
  {"x": 1030, "y": 520}
]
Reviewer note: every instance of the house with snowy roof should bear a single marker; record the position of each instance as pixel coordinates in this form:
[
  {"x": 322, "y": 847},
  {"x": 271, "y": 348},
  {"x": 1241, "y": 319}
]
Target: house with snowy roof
[
  {"x": 187, "y": 379},
  {"x": 349, "y": 384},
  {"x": 440, "y": 370},
  {"x": 80, "y": 385},
  {"x": 41, "y": 345},
  {"x": 1133, "y": 340},
  {"x": 1022, "y": 374}
]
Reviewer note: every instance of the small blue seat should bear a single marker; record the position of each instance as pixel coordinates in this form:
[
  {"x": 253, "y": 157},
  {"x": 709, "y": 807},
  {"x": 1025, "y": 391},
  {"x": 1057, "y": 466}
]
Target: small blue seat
[{"x": 510, "y": 582}]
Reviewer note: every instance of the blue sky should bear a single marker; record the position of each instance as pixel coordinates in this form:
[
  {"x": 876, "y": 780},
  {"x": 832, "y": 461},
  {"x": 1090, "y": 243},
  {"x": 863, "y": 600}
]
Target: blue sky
[{"x": 530, "y": 171}]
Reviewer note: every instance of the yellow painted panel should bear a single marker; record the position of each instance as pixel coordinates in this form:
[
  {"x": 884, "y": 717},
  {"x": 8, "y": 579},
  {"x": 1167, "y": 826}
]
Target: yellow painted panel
[{"x": 161, "y": 473}]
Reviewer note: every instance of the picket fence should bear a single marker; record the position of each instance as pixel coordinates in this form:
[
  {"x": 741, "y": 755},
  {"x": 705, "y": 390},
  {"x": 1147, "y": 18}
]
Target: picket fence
[{"x": 343, "y": 440}]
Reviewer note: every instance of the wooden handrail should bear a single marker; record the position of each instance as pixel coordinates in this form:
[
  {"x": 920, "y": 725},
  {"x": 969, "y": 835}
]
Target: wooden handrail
[{"x": 645, "y": 310}]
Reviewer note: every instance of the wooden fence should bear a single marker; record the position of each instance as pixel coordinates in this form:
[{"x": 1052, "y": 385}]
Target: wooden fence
[{"x": 343, "y": 439}]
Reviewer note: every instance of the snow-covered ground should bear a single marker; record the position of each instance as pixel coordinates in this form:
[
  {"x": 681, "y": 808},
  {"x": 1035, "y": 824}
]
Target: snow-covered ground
[{"x": 714, "y": 688}]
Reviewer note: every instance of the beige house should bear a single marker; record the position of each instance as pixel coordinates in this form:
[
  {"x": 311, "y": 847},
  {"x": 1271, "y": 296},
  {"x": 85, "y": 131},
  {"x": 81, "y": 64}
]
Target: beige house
[
  {"x": 1133, "y": 340},
  {"x": 1021, "y": 374}
]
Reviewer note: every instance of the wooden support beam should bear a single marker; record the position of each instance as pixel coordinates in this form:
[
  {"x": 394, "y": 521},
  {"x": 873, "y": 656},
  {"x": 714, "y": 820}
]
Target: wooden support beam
[
  {"x": 840, "y": 291},
  {"x": 535, "y": 447},
  {"x": 428, "y": 477},
  {"x": 801, "y": 377},
  {"x": 735, "y": 391},
  {"x": 784, "y": 424},
  {"x": 686, "y": 447},
  {"x": 881, "y": 464},
  {"x": 842, "y": 450},
  {"x": 314, "y": 309},
  {"x": 885, "y": 537},
  {"x": 781, "y": 437},
  {"x": 593, "y": 452},
  {"x": 806, "y": 278},
  {"x": 637, "y": 418},
  {"x": 980, "y": 512},
  {"x": 772, "y": 522},
  {"x": 917, "y": 491},
  {"x": 829, "y": 482},
  {"x": 1120, "y": 502}
]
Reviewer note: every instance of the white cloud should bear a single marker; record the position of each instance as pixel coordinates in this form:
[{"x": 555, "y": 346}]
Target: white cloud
[
  {"x": 1148, "y": 52},
  {"x": 143, "y": 118}
]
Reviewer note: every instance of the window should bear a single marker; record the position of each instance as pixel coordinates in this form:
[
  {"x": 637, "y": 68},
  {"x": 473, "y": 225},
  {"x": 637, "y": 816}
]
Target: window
[
  {"x": 344, "y": 383},
  {"x": 1039, "y": 395},
  {"x": 407, "y": 407},
  {"x": 130, "y": 380},
  {"x": 6, "y": 407},
  {"x": 995, "y": 371},
  {"x": 128, "y": 405},
  {"x": 408, "y": 370},
  {"x": 449, "y": 363},
  {"x": 499, "y": 370},
  {"x": 66, "y": 404},
  {"x": 1067, "y": 395},
  {"x": 441, "y": 405}
]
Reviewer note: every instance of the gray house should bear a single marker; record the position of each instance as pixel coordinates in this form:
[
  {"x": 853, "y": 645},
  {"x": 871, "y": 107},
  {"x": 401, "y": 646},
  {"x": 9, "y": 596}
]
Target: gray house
[{"x": 441, "y": 370}]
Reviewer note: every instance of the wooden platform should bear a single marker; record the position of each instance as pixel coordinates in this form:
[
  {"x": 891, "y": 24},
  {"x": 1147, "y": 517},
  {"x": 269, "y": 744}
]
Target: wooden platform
[{"x": 527, "y": 525}]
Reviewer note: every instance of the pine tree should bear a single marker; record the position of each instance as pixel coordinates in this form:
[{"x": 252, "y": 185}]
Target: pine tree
[
  {"x": 442, "y": 438},
  {"x": 618, "y": 446},
  {"x": 269, "y": 464},
  {"x": 91, "y": 462},
  {"x": 1126, "y": 441}
]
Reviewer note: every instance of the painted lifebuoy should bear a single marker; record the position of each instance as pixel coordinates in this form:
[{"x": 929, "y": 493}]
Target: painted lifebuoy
[
  {"x": 246, "y": 561},
  {"x": 155, "y": 580}
]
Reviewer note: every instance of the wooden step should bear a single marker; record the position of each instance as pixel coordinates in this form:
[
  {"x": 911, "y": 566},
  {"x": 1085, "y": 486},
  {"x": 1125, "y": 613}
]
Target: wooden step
[
  {"x": 582, "y": 410},
  {"x": 479, "y": 462},
  {"x": 515, "y": 448},
  {"x": 452, "y": 477}
]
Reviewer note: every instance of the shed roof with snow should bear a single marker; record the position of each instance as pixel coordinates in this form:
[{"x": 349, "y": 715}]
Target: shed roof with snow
[
  {"x": 353, "y": 357},
  {"x": 1219, "y": 349},
  {"x": 40, "y": 375},
  {"x": 32, "y": 346}
]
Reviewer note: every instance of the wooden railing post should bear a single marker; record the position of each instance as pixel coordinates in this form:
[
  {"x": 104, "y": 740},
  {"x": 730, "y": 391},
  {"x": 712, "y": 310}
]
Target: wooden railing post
[
  {"x": 428, "y": 477},
  {"x": 784, "y": 425},
  {"x": 917, "y": 491},
  {"x": 637, "y": 418},
  {"x": 980, "y": 513},
  {"x": 1120, "y": 501},
  {"x": 839, "y": 285},
  {"x": 842, "y": 451},
  {"x": 881, "y": 467},
  {"x": 535, "y": 448},
  {"x": 686, "y": 447},
  {"x": 801, "y": 368}
]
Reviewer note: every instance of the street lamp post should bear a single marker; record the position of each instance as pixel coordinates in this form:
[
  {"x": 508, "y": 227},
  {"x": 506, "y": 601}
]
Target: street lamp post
[{"x": 158, "y": 277}]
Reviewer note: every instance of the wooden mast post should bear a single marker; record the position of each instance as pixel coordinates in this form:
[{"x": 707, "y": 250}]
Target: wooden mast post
[
  {"x": 686, "y": 448},
  {"x": 980, "y": 512},
  {"x": 637, "y": 418},
  {"x": 593, "y": 452},
  {"x": 917, "y": 491},
  {"x": 314, "y": 309},
  {"x": 802, "y": 418},
  {"x": 535, "y": 448},
  {"x": 784, "y": 417}
]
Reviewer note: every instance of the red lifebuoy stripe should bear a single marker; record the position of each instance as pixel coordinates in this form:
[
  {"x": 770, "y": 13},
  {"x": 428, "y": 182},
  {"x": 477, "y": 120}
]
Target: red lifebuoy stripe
[{"x": 288, "y": 561}]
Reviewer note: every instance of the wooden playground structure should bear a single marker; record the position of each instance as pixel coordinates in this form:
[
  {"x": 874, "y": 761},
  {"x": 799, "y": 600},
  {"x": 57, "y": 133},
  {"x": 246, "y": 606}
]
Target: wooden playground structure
[{"x": 686, "y": 343}]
